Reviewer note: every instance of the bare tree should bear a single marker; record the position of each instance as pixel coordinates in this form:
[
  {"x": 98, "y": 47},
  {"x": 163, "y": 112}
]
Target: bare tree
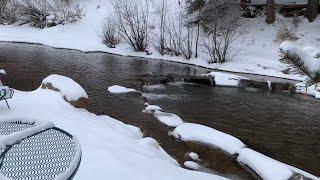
[
  {"x": 312, "y": 9},
  {"x": 271, "y": 17},
  {"x": 132, "y": 18}
]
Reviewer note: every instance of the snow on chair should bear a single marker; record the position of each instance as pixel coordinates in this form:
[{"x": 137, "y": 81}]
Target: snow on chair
[{"x": 6, "y": 93}]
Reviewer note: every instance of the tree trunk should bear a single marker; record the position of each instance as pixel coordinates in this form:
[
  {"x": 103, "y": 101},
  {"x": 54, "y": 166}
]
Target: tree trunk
[
  {"x": 271, "y": 17},
  {"x": 312, "y": 9}
]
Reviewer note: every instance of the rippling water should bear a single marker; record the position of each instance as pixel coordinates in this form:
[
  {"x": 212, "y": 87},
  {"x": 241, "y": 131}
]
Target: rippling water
[{"x": 281, "y": 126}]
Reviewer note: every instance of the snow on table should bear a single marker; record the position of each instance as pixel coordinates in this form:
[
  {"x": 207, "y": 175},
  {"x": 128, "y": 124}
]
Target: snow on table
[
  {"x": 208, "y": 136},
  {"x": 69, "y": 89},
  {"x": 168, "y": 119},
  {"x": 225, "y": 79},
  {"x": 116, "y": 89}
]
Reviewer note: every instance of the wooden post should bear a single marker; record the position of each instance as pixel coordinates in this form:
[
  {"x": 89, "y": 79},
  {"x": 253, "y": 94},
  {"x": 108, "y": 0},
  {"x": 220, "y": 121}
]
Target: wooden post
[
  {"x": 271, "y": 17},
  {"x": 312, "y": 9}
]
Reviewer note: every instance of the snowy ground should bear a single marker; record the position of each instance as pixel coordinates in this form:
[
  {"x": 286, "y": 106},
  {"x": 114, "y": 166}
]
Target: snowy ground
[
  {"x": 257, "y": 45},
  {"x": 111, "y": 149}
]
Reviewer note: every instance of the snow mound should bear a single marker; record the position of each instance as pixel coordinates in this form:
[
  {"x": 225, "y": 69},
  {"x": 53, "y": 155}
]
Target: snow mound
[
  {"x": 2, "y": 71},
  {"x": 168, "y": 119},
  {"x": 69, "y": 89},
  {"x": 192, "y": 165},
  {"x": 225, "y": 79},
  {"x": 305, "y": 56},
  {"x": 267, "y": 168},
  {"x": 116, "y": 89},
  {"x": 194, "y": 156},
  {"x": 315, "y": 52},
  {"x": 208, "y": 136},
  {"x": 152, "y": 108}
]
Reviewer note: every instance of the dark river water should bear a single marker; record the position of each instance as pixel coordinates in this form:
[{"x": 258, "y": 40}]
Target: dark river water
[{"x": 284, "y": 127}]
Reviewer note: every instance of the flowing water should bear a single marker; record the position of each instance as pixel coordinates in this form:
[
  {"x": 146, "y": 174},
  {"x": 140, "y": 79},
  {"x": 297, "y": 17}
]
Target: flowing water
[{"x": 281, "y": 126}]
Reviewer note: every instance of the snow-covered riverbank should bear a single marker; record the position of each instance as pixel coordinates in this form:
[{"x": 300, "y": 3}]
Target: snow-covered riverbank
[
  {"x": 111, "y": 149},
  {"x": 258, "y": 55}
]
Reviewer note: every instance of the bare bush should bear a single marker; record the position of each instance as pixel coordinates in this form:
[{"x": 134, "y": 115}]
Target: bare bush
[
  {"x": 285, "y": 34},
  {"x": 132, "y": 18},
  {"x": 219, "y": 43},
  {"x": 110, "y": 36},
  {"x": 46, "y": 13}
]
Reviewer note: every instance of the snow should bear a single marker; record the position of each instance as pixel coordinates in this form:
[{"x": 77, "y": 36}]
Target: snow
[
  {"x": 168, "y": 119},
  {"x": 266, "y": 167},
  {"x": 305, "y": 56},
  {"x": 68, "y": 88},
  {"x": 2, "y": 71},
  {"x": 116, "y": 89},
  {"x": 225, "y": 79},
  {"x": 110, "y": 148},
  {"x": 194, "y": 156},
  {"x": 208, "y": 136},
  {"x": 192, "y": 165},
  {"x": 152, "y": 108},
  {"x": 257, "y": 55},
  {"x": 311, "y": 90}
]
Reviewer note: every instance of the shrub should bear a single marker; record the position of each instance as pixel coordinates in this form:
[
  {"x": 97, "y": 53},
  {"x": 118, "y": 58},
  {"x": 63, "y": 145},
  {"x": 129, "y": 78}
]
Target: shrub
[{"x": 110, "y": 36}]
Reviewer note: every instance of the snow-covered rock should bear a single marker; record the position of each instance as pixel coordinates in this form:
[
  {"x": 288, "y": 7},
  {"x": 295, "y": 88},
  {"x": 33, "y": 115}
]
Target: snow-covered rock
[
  {"x": 225, "y": 79},
  {"x": 70, "y": 90},
  {"x": 168, "y": 119},
  {"x": 116, "y": 89},
  {"x": 2, "y": 71},
  {"x": 208, "y": 136},
  {"x": 194, "y": 156},
  {"x": 152, "y": 108},
  {"x": 192, "y": 165},
  {"x": 267, "y": 168}
]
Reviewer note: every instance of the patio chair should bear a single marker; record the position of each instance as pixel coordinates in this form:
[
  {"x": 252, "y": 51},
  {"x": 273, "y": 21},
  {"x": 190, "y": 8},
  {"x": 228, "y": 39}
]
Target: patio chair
[{"x": 6, "y": 93}]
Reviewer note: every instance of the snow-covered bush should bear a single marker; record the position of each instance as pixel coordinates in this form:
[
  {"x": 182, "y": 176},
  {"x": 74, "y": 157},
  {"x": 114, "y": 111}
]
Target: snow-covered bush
[
  {"x": 47, "y": 13},
  {"x": 305, "y": 60},
  {"x": 109, "y": 34},
  {"x": 132, "y": 20}
]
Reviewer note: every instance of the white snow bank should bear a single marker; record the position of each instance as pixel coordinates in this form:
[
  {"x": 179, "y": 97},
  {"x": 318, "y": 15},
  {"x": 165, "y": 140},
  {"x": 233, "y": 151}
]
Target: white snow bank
[
  {"x": 168, "y": 119},
  {"x": 208, "y": 136},
  {"x": 110, "y": 148},
  {"x": 116, "y": 89},
  {"x": 152, "y": 108},
  {"x": 69, "y": 89},
  {"x": 194, "y": 156},
  {"x": 192, "y": 165},
  {"x": 2, "y": 71},
  {"x": 267, "y": 168},
  {"x": 305, "y": 56},
  {"x": 225, "y": 79}
]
